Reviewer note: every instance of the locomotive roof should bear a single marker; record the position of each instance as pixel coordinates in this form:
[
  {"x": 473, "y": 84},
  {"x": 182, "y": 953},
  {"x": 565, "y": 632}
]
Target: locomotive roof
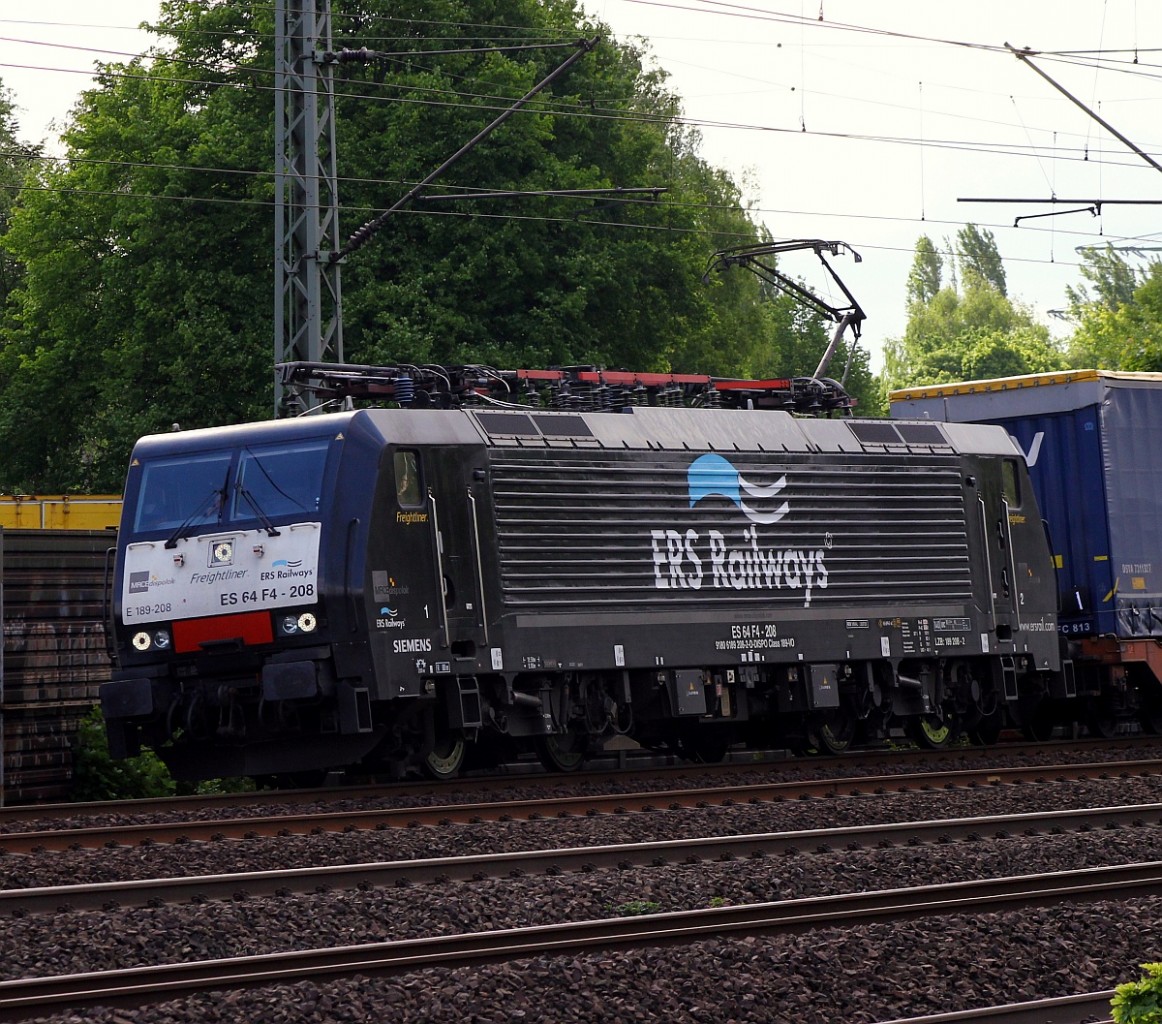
[{"x": 639, "y": 429}]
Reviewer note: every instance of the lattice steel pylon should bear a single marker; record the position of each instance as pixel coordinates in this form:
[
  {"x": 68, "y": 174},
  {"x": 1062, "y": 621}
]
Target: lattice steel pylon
[{"x": 308, "y": 308}]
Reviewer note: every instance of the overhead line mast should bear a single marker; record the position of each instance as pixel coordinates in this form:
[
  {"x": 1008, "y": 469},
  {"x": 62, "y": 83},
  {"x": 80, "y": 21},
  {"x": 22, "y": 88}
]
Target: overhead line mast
[{"x": 308, "y": 306}]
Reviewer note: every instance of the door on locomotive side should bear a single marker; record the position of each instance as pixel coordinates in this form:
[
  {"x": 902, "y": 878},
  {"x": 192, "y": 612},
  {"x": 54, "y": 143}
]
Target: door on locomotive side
[
  {"x": 403, "y": 610},
  {"x": 425, "y": 612},
  {"x": 1000, "y": 498},
  {"x": 459, "y": 506}
]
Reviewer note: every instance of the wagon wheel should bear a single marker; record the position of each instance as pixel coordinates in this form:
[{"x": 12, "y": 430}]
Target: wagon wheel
[
  {"x": 1101, "y": 722},
  {"x": 563, "y": 753},
  {"x": 986, "y": 731},
  {"x": 1151, "y": 715},
  {"x": 933, "y": 732},
  {"x": 446, "y": 758},
  {"x": 836, "y": 731}
]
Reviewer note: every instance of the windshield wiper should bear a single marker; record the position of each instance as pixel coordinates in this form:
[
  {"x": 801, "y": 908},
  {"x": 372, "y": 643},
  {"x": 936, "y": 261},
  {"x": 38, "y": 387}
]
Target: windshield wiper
[
  {"x": 263, "y": 518},
  {"x": 214, "y": 502}
]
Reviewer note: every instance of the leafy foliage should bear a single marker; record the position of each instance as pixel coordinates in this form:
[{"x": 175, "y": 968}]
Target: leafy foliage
[
  {"x": 926, "y": 276},
  {"x": 636, "y": 908},
  {"x": 147, "y": 296},
  {"x": 974, "y": 334},
  {"x": 1120, "y": 329},
  {"x": 16, "y": 163},
  {"x": 98, "y": 777},
  {"x": 1140, "y": 1002},
  {"x": 1112, "y": 277},
  {"x": 980, "y": 261}
]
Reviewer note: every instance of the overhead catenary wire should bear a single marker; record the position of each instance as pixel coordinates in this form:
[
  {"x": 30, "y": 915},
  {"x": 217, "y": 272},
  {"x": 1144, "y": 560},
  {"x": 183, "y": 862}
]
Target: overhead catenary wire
[
  {"x": 966, "y": 145},
  {"x": 612, "y": 225},
  {"x": 697, "y": 123}
]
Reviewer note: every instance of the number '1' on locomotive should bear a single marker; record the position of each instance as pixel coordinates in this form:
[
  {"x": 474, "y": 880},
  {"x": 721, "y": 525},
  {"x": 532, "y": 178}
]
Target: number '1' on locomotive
[{"x": 391, "y": 588}]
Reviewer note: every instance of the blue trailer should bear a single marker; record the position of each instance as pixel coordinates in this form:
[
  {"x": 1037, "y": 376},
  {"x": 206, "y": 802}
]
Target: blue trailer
[{"x": 1093, "y": 443}]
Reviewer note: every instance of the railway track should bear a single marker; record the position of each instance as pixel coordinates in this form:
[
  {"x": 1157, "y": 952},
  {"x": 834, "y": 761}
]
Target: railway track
[
  {"x": 248, "y": 885},
  {"x": 135, "y": 987},
  {"x": 119, "y": 833},
  {"x": 640, "y": 770},
  {"x": 1084, "y": 1008}
]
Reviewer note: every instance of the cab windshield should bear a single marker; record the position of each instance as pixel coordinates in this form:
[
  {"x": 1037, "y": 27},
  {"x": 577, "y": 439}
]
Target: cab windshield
[
  {"x": 259, "y": 483},
  {"x": 188, "y": 489},
  {"x": 279, "y": 480}
]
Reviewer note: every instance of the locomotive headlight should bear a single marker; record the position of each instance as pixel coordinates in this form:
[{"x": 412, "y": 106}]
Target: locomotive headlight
[
  {"x": 157, "y": 640},
  {"x": 293, "y": 625}
]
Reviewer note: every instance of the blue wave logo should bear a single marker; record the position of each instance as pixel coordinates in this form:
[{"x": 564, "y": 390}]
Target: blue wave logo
[
  {"x": 391, "y": 613},
  {"x": 294, "y": 564},
  {"x": 714, "y": 476}
]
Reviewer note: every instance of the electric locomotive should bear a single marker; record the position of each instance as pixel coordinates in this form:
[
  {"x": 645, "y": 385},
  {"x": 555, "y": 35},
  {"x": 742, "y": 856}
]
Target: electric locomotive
[{"x": 395, "y": 588}]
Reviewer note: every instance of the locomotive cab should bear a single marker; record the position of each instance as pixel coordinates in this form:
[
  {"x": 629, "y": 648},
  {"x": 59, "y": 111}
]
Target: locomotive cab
[{"x": 220, "y": 620}]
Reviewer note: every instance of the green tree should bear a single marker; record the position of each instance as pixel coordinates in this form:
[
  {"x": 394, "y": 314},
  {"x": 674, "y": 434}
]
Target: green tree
[
  {"x": 1112, "y": 276},
  {"x": 17, "y": 161},
  {"x": 975, "y": 334},
  {"x": 925, "y": 277},
  {"x": 980, "y": 261},
  {"x": 143, "y": 276},
  {"x": 1125, "y": 337},
  {"x": 148, "y": 293}
]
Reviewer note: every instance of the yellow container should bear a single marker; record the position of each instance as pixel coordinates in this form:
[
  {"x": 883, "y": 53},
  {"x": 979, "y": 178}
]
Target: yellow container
[{"x": 59, "y": 511}]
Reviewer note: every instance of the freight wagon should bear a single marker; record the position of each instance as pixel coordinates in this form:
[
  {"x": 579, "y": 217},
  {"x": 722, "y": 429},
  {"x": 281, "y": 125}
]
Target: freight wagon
[
  {"x": 55, "y": 655},
  {"x": 59, "y": 511},
  {"x": 1090, "y": 439}
]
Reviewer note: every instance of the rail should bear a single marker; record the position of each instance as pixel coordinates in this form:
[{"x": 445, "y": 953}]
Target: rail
[
  {"x": 134, "y": 987},
  {"x": 384, "y": 874}
]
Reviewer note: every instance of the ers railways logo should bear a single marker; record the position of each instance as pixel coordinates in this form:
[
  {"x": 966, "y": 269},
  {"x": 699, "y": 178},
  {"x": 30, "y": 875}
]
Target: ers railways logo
[{"x": 690, "y": 560}]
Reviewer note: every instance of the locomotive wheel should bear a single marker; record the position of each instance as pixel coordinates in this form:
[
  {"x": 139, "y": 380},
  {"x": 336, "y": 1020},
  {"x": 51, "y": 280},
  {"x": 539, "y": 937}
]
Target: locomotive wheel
[
  {"x": 1039, "y": 727},
  {"x": 563, "y": 753},
  {"x": 932, "y": 732},
  {"x": 1151, "y": 718},
  {"x": 446, "y": 758},
  {"x": 836, "y": 732}
]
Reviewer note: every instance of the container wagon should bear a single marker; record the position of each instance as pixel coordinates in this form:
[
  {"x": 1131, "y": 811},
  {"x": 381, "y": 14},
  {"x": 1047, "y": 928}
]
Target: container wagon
[{"x": 1090, "y": 439}]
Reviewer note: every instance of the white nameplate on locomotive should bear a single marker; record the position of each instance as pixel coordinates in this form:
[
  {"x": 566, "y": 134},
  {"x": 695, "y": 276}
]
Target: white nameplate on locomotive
[{"x": 221, "y": 573}]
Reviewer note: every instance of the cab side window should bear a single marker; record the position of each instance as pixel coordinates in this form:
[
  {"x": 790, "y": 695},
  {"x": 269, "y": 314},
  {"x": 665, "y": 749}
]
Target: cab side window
[
  {"x": 1010, "y": 482},
  {"x": 408, "y": 491}
]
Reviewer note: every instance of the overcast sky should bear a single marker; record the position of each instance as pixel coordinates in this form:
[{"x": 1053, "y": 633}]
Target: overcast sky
[{"x": 865, "y": 121}]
